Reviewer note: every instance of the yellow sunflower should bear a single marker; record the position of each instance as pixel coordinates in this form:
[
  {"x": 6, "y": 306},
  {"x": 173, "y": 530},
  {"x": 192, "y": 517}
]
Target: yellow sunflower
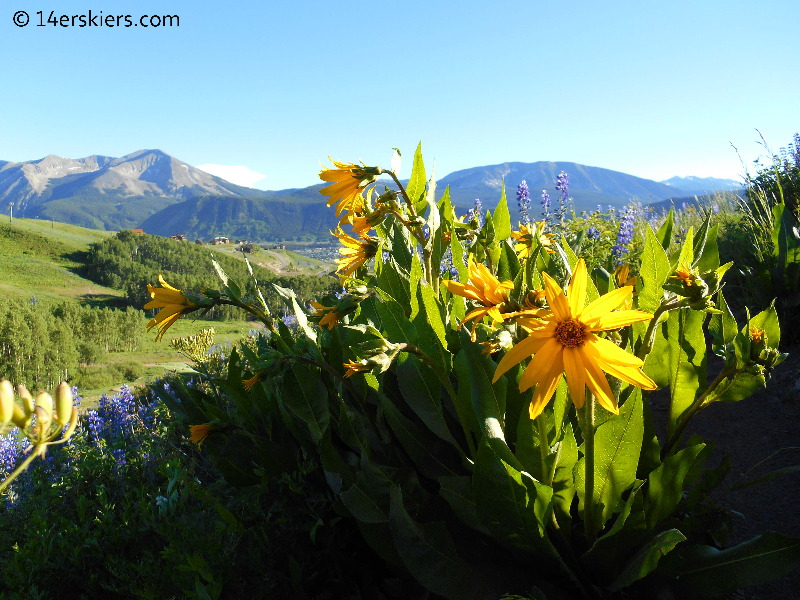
[
  {"x": 355, "y": 367},
  {"x": 530, "y": 237},
  {"x": 172, "y": 303},
  {"x": 355, "y": 253},
  {"x": 198, "y": 433},
  {"x": 328, "y": 313},
  {"x": 564, "y": 341},
  {"x": 485, "y": 289},
  {"x": 348, "y": 181}
]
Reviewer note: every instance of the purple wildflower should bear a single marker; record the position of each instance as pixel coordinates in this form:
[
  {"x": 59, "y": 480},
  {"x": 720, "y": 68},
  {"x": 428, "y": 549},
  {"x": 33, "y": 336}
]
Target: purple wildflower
[{"x": 523, "y": 201}]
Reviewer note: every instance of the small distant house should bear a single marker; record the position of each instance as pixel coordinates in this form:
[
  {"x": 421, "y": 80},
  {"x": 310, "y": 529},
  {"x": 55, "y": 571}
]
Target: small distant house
[
  {"x": 139, "y": 231},
  {"x": 279, "y": 247},
  {"x": 178, "y": 236},
  {"x": 220, "y": 240}
]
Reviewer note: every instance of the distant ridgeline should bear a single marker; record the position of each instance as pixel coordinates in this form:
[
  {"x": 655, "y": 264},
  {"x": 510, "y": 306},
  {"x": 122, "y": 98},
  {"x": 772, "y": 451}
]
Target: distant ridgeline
[
  {"x": 130, "y": 261},
  {"x": 256, "y": 219}
]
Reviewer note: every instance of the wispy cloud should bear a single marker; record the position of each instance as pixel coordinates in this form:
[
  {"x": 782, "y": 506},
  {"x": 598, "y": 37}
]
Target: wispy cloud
[{"x": 234, "y": 173}]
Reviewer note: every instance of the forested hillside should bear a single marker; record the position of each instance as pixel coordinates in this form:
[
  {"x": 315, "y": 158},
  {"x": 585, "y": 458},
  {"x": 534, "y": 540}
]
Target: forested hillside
[{"x": 130, "y": 261}]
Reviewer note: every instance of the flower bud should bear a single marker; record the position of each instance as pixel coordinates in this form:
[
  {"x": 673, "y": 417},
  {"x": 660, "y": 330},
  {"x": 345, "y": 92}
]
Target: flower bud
[
  {"x": 43, "y": 421},
  {"x": 64, "y": 406},
  {"x": 44, "y": 401},
  {"x": 27, "y": 400},
  {"x": 6, "y": 402}
]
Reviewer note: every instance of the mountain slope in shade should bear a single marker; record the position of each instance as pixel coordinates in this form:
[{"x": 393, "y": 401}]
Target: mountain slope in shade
[
  {"x": 255, "y": 219},
  {"x": 105, "y": 192},
  {"x": 702, "y": 185}
]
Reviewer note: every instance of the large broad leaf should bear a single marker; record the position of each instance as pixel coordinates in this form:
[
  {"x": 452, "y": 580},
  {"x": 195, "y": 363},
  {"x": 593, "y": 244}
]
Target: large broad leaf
[
  {"x": 305, "y": 395},
  {"x": 290, "y": 299},
  {"x": 359, "y": 501},
  {"x": 416, "y": 184},
  {"x": 563, "y": 480},
  {"x": 705, "y": 572},
  {"x": 508, "y": 266},
  {"x": 514, "y": 506},
  {"x": 476, "y": 370},
  {"x": 458, "y": 259},
  {"x": 646, "y": 560},
  {"x": 767, "y": 320},
  {"x": 709, "y": 257},
  {"x": 687, "y": 361},
  {"x": 421, "y": 390},
  {"x": 396, "y": 325},
  {"x": 502, "y": 218},
  {"x": 723, "y": 327},
  {"x": 664, "y": 235},
  {"x": 665, "y": 484},
  {"x": 654, "y": 272},
  {"x": 429, "y": 553},
  {"x": 457, "y": 491},
  {"x": 617, "y": 443}
]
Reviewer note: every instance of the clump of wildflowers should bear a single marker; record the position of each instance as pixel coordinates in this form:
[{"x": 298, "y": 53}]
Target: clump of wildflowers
[{"x": 524, "y": 201}]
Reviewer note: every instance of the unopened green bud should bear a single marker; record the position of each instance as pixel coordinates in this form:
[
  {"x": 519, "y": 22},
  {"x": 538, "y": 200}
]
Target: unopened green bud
[
  {"x": 6, "y": 402},
  {"x": 27, "y": 400},
  {"x": 45, "y": 401},
  {"x": 64, "y": 406},
  {"x": 43, "y": 420}
]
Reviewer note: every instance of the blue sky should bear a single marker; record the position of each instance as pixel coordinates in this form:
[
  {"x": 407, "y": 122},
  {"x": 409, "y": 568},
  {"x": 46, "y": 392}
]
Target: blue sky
[{"x": 651, "y": 89}]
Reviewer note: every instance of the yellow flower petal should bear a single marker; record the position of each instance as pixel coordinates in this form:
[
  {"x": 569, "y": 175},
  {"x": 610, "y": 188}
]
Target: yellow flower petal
[
  {"x": 556, "y": 299},
  {"x": 604, "y": 304},
  {"x": 576, "y": 293},
  {"x": 597, "y": 382},
  {"x": 517, "y": 354},
  {"x": 619, "y": 318},
  {"x": 547, "y": 386},
  {"x": 576, "y": 376},
  {"x": 549, "y": 354}
]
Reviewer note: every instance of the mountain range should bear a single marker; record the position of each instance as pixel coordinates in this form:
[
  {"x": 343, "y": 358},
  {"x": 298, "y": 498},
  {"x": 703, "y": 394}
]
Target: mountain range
[{"x": 163, "y": 195}]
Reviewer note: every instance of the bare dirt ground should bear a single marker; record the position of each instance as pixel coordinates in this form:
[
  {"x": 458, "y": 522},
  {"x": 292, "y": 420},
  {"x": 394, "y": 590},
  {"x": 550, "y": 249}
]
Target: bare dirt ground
[{"x": 750, "y": 431}]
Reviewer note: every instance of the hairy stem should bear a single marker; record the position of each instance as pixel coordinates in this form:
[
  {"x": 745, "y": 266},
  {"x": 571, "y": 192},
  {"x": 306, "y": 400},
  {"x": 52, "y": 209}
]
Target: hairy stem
[
  {"x": 652, "y": 328},
  {"x": 588, "y": 438},
  {"x": 698, "y": 404}
]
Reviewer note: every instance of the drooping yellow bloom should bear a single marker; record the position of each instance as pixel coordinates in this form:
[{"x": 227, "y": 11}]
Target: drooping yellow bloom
[
  {"x": 355, "y": 367},
  {"x": 621, "y": 274},
  {"x": 484, "y": 288},
  {"x": 565, "y": 341},
  {"x": 198, "y": 433},
  {"x": 530, "y": 237},
  {"x": 686, "y": 274},
  {"x": 250, "y": 383},
  {"x": 756, "y": 335},
  {"x": 172, "y": 303},
  {"x": 328, "y": 314},
  {"x": 355, "y": 253},
  {"x": 348, "y": 181}
]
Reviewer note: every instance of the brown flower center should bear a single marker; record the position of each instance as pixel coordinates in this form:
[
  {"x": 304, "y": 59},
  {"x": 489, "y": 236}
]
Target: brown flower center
[{"x": 570, "y": 333}]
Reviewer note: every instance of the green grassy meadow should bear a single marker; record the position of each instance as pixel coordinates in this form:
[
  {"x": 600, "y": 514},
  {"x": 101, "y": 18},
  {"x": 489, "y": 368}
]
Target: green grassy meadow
[{"x": 42, "y": 260}]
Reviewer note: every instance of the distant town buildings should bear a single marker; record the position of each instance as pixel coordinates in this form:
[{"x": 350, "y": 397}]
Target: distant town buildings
[
  {"x": 139, "y": 231},
  {"x": 178, "y": 236},
  {"x": 220, "y": 240}
]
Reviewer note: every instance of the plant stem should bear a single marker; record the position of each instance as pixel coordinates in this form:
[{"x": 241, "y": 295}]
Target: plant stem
[
  {"x": 650, "y": 336},
  {"x": 588, "y": 440},
  {"x": 699, "y": 404},
  {"x": 20, "y": 469},
  {"x": 544, "y": 447},
  {"x": 410, "y": 204}
]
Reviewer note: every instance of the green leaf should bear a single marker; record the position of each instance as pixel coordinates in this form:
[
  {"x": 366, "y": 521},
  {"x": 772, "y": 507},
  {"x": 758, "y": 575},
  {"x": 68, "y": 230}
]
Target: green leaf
[
  {"x": 396, "y": 325},
  {"x": 415, "y": 280},
  {"x": 705, "y": 572},
  {"x": 618, "y": 443},
  {"x": 665, "y": 484},
  {"x": 654, "y": 272},
  {"x": 563, "y": 482},
  {"x": 458, "y": 252},
  {"x": 646, "y": 560},
  {"x": 358, "y": 501},
  {"x": 687, "y": 361},
  {"x": 513, "y": 505},
  {"x": 305, "y": 395},
  {"x": 429, "y": 553},
  {"x": 709, "y": 254},
  {"x": 421, "y": 389},
  {"x": 686, "y": 255},
  {"x": 475, "y": 370},
  {"x": 723, "y": 327},
  {"x": 457, "y": 491},
  {"x": 664, "y": 235},
  {"x": 767, "y": 320},
  {"x": 290, "y": 299},
  {"x": 416, "y": 184},
  {"x": 502, "y": 218},
  {"x": 508, "y": 266},
  {"x": 434, "y": 218}
]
